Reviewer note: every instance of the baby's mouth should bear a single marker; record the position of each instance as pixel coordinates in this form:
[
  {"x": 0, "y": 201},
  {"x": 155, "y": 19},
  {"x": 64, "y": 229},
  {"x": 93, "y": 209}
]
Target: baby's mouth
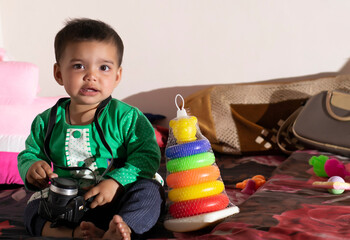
[{"x": 89, "y": 90}]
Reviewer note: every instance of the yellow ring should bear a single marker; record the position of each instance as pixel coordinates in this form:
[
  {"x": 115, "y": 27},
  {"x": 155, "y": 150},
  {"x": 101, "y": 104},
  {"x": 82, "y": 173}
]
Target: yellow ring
[{"x": 196, "y": 191}]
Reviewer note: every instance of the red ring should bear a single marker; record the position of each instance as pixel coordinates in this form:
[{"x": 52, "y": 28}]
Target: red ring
[{"x": 199, "y": 206}]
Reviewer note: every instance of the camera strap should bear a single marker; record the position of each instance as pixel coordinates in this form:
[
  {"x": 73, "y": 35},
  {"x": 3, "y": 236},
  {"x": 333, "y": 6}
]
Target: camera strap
[{"x": 51, "y": 125}]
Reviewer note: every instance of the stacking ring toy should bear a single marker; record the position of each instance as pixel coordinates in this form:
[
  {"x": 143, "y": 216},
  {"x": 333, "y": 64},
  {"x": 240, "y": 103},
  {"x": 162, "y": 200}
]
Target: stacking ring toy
[
  {"x": 187, "y": 149},
  {"x": 196, "y": 191},
  {"x": 190, "y": 162},
  {"x": 199, "y": 206},
  {"x": 193, "y": 177}
]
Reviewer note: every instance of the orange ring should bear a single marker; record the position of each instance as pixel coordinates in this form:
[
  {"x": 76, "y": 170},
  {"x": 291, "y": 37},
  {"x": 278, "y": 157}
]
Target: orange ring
[
  {"x": 193, "y": 176},
  {"x": 199, "y": 206}
]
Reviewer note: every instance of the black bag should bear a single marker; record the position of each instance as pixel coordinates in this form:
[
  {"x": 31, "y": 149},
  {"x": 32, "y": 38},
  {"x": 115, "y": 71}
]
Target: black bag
[{"x": 322, "y": 124}]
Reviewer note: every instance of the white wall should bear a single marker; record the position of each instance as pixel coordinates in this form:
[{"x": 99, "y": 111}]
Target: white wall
[{"x": 190, "y": 42}]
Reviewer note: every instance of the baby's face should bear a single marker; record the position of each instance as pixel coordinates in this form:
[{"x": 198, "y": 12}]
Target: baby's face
[{"x": 88, "y": 71}]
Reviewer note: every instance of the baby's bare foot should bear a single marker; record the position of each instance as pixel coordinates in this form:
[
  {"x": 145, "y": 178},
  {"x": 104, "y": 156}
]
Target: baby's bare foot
[
  {"x": 118, "y": 229},
  {"x": 88, "y": 230}
]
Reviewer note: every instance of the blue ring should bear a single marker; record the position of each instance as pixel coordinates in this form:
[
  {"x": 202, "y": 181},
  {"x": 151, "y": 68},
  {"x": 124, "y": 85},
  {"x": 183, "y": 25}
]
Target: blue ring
[{"x": 188, "y": 149}]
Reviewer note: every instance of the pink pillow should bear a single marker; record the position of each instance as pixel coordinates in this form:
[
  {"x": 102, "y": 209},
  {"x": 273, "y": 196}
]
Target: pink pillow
[
  {"x": 14, "y": 130},
  {"x": 19, "y": 82},
  {"x": 18, "y": 107},
  {"x": 9, "y": 172}
]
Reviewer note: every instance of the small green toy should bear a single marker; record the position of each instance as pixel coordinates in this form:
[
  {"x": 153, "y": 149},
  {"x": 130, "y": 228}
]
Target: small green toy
[{"x": 318, "y": 163}]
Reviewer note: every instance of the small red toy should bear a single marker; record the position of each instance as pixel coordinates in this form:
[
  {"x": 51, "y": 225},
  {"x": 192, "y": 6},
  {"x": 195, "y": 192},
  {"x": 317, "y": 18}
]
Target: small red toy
[{"x": 250, "y": 185}]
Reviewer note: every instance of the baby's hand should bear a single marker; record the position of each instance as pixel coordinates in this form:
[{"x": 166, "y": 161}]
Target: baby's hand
[
  {"x": 39, "y": 174},
  {"x": 104, "y": 192}
]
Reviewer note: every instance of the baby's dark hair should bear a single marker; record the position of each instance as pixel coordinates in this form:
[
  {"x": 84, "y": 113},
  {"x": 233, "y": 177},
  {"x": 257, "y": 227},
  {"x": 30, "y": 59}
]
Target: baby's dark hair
[{"x": 84, "y": 29}]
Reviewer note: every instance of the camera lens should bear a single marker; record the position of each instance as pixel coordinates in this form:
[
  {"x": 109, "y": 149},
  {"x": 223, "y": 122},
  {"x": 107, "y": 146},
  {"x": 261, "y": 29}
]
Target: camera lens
[{"x": 62, "y": 190}]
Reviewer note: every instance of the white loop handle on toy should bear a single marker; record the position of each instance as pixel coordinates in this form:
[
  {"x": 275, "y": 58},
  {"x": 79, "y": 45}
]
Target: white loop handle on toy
[
  {"x": 180, "y": 112},
  {"x": 183, "y": 101}
]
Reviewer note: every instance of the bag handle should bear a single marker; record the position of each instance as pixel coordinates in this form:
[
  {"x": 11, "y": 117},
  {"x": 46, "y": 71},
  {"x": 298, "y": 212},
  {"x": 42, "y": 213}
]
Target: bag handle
[
  {"x": 329, "y": 108},
  {"x": 286, "y": 127}
]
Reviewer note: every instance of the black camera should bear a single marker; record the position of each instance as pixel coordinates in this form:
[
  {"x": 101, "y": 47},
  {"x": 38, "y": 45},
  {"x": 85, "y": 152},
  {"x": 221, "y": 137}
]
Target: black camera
[{"x": 65, "y": 204}]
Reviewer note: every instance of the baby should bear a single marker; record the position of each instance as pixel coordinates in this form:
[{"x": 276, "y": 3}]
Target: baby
[{"x": 126, "y": 201}]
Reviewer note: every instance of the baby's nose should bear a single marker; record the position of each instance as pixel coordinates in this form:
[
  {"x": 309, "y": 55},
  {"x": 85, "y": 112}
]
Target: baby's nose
[{"x": 90, "y": 76}]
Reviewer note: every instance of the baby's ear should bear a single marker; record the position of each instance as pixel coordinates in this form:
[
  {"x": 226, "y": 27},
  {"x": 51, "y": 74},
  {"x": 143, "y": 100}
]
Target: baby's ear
[
  {"x": 57, "y": 73},
  {"x": 119, "y": 76}
]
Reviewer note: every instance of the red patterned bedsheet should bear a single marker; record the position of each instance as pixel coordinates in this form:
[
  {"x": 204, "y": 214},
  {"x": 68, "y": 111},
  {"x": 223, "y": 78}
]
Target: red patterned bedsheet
[{"x": 287, "y": 206}]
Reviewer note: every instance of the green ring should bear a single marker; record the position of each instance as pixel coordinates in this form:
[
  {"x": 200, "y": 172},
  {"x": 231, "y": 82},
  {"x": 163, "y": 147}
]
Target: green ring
[{"x": 190, "y": 162}]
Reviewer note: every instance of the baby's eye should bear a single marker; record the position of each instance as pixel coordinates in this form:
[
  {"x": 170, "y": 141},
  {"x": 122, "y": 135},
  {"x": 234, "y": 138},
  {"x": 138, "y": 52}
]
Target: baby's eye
[
  {"x": 78, "y": 66},
  {"x": 105, "y": 68}
]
